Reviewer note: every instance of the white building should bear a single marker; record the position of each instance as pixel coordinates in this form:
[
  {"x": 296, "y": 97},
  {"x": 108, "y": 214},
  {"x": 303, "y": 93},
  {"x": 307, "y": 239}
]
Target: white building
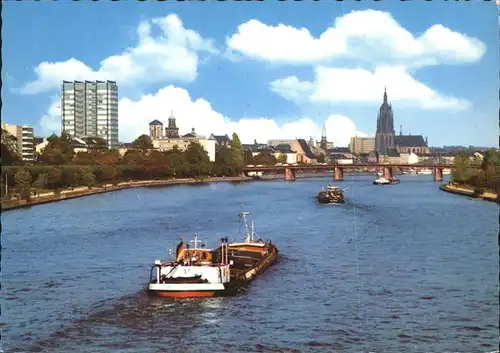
[
  {"x": 413, "y": 158},
  {"x": 167, "y": 143},
  {"x": 25, "y": 146},
  {"x": 90, "y": 109}
]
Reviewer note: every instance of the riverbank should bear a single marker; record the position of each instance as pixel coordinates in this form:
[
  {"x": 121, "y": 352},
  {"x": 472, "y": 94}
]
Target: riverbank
[
  {"x": 85, "y": 191},
  {"x": 465, "y": 191}
]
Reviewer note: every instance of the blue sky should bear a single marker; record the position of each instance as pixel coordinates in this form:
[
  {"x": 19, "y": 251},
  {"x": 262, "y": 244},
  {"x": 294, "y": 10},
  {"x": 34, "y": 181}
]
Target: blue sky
[{"x": 262, "y": 69}]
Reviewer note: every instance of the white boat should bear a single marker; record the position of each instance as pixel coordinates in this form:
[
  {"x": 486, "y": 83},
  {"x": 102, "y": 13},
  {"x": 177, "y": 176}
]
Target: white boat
[
  {"x": 385, "y": 181},
  {"x": 424, "y": 172},
  {"x": 446, "y": 171},
  {"x": 196, "y": 272}
]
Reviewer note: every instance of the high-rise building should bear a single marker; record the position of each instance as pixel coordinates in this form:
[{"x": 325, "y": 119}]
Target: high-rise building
[
  {"x": 25, "y": 144},
  {"x": 90, "y": 109}
]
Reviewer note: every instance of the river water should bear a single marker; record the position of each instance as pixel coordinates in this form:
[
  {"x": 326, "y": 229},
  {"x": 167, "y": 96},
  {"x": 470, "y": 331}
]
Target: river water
[{"x": 403, "y": 268}]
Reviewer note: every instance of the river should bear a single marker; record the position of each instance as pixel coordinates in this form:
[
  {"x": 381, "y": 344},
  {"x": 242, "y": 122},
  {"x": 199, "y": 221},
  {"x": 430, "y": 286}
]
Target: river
[{"x": 402, "y": 268}]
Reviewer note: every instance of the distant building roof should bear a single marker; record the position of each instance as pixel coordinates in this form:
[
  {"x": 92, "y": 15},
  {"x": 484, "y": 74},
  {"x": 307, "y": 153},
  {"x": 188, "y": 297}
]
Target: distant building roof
[
  {"x": 221, "y": 138},
  {"x": 339, "y": 156},
  {"x": 305, "y": 147},
  {"x": 156, "y": 122},
  {"x": 339, "y": 150},
  {"x": 283, "y": 148},
  {"x": 410, "y": 141}
]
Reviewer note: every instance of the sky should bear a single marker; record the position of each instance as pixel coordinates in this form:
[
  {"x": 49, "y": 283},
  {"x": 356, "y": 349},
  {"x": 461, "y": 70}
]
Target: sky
[{"x": 273, "y": 69}]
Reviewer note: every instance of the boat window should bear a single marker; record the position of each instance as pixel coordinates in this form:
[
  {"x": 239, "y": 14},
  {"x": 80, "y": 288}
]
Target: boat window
[{"x": 203, "y": 256}]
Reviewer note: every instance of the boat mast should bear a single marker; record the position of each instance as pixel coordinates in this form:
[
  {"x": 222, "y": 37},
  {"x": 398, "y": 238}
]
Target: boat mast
[
  {"x": 195, "y": 241},
  {"x": 248, "y": 234}
]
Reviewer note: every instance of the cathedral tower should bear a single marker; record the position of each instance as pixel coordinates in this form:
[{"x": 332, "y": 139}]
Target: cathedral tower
[
  {"x": 324, "y": 142},
  {"x": 385, "y": 136}
]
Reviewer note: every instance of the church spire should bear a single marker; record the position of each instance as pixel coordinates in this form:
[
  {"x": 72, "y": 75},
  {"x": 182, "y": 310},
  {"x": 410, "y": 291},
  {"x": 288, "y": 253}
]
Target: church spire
[
  {"x": 323, "y": 131},
  {"x": 385, "y": 94},
  {"x": 400, "y": 130}
]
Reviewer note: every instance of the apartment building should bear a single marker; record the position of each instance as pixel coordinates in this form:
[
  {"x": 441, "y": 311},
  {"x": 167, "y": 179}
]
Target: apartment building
[
  {"x": 25, "y": 146},
  {"x": 90, "y": 109}
]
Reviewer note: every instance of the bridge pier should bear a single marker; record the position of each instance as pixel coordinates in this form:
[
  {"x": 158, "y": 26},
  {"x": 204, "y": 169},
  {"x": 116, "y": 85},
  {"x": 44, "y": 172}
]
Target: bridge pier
[
  {"x": 338, "y": 174},
  {"x": 388, "y": 173},
  {"x": 289, "y": 174},
  {"x": 438, "y": 174}
]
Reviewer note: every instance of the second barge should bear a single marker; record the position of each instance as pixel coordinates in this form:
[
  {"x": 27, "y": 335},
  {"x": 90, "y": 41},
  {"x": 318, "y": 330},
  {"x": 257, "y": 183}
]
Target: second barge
[{"x": 252, "y": 256}]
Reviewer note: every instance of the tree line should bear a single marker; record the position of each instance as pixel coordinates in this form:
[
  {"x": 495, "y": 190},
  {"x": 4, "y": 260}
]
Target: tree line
[
  {"x": 479, "y": 174},
  {"x": 59, "y": 167}
]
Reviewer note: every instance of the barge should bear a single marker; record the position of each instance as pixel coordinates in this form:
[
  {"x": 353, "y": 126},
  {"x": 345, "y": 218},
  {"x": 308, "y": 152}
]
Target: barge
[
  {"x": 331, "y": 194},
  {"x": 252, "y": 256},
  {"x": 195, "y": 272}
]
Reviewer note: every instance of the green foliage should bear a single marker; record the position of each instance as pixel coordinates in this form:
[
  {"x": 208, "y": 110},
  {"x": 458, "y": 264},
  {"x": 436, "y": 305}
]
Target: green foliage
[
  {"x": 320, "y": 158},
  {"x": 143, "y": 143},
  {"x": 9, "y": 151},
  {"x": 464, "y": 169},
  {"x": 237, "y": 152},
  {"x": 479, "y": 174},
  {"x": 281, "y": 158},
  {"x": 23, "y": 183},
  {"x": 59, "y": 167},
  {"x": 264, "y": 158},
  {"x": 197, "y": 159},
  {"x": 223, "y": 163},
  {"x": 58, "y": 151},
  {"x": 55, "y": 177},
  {"x": 41, "y": 181}
]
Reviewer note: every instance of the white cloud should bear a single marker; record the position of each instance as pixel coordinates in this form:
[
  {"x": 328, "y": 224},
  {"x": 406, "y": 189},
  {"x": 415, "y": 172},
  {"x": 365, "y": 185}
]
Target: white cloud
[
  {"x": 369, "y": 35},
  {"x": 170, "y": 56},
  {"x": 135, "y": 116},
  {"x": 360, "y": 85},
  {"x": 51, "y": 121}
]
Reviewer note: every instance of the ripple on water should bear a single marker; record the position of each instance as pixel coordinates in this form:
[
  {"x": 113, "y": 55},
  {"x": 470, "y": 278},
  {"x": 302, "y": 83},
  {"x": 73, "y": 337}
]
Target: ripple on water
[{"x": 379, "y": 273}]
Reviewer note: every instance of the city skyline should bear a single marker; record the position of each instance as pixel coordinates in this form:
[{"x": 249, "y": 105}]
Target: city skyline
[{"x": 231, "y": 75}]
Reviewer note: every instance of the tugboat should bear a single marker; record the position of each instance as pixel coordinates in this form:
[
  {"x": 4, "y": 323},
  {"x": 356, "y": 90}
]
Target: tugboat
[
  {"x": 385, "y": 181},
  {"x": 332, "y": 194},
  {"x": 196, "y": 272},
  {"x": 252, "y": 256}
]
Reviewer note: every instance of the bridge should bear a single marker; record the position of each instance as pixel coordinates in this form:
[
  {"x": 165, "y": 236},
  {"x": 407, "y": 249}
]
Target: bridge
[{"x": 338, "y": 169}]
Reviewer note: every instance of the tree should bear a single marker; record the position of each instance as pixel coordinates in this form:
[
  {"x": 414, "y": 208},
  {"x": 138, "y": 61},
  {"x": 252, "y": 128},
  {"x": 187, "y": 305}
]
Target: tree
[
  {"x": 237, "y": 152},
  {"x": 320, "y": 158},
  {"x": 223, "y": 162},
  {"x": 58, "y": 151},
  {"x": 9, "y": 150},
  {"x": 157, "y": 165},
  {"x": 178, "y": 163},
  {"x": 23, "y": 183},
  {"x": 463, "y": 168},
  {"x": 107, "y": 174},
  {"x": 198, "y": 160},
  {"x": 87, "y": 177},
  {"x": 143, "y": 143},
  {"x": 54, "y": 177},
  {"x": 41, "y": 181},
  {"x": 264, "y": 158},
  {"x": 133, "y": 157},
  {"x": 281, "y": 158}
]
